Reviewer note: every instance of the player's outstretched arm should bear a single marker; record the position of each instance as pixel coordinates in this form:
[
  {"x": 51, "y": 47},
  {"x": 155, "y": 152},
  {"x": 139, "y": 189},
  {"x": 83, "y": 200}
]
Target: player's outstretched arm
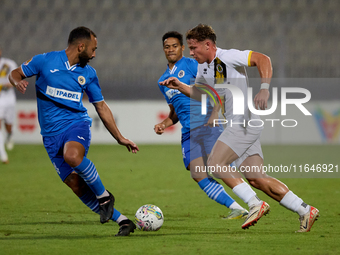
[
  {"x": 172, "y": 119},
  {"x": 189, "y": 91},
  {"x": 105, "y": 114},
  {"x": 16, "y": 78},
  {"x": 264, "y": 65},
  {"x": 174, "y": 83}
]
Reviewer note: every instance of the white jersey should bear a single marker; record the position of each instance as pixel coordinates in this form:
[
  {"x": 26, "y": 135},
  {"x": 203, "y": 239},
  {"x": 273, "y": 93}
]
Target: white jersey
[
  {"x": 7, "y": 96},
  {"x": 228, "y": 68}
]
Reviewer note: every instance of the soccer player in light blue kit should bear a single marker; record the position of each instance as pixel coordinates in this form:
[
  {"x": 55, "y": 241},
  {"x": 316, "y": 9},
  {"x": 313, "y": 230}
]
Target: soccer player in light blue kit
[
  {"x": 61, "y": 79},
  {"x": 198, "y": 135}
]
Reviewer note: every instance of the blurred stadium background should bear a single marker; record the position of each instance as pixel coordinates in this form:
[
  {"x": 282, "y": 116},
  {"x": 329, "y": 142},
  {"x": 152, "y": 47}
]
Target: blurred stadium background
[{"x": 301, "y": 37}]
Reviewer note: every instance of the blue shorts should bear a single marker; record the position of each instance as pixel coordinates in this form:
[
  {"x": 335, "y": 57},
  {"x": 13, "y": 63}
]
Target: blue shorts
[
  {"x": 199, "y": 142},
  {"x": 79, "y": 132}
]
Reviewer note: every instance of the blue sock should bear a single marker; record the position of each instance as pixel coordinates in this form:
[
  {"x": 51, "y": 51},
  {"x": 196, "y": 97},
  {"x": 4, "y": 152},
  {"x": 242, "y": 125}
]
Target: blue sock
[
  {"x": 88, "y": 172},
  {"x": 91, "y": 201},
  {"x": 215, "y": 191},
  {"x": 115, "y": 215}
]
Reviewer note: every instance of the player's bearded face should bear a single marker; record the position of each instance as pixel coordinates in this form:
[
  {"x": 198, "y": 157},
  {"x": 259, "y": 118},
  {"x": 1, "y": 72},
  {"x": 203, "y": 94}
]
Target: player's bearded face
[
  {"x": 84, "y": 57},
  {"x": 89, "y": 51}
]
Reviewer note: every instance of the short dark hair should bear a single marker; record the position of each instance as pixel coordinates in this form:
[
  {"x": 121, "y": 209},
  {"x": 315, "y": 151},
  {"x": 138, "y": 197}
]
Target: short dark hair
[
  {"x": 80, "y": 33},
  {"x": 201, "y": 32},
  {"x": 174, "y": 34}
]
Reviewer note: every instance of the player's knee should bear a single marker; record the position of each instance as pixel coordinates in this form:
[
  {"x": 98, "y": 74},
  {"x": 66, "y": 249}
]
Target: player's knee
[
  {"x": 216, "y": 160},
  {"x": 73, "y": 158},
  {"x": 211, "y": 161}
]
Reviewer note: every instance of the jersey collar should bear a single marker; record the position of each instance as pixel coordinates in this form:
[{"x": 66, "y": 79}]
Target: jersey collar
[
  {"x": 66, "y": 62},
  {"x": 173, "y": 70},
  {"x": 216, "y": 54}
]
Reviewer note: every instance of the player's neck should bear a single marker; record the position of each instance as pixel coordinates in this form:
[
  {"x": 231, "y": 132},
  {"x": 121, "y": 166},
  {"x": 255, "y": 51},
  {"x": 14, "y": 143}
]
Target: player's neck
[
  {"x": 171, "y": 65},
  {"x": 72, "y": 56},
  {"x": 212, "y": 55}
]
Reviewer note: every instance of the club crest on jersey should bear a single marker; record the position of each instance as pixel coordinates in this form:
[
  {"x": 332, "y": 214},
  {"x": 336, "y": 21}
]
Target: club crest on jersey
[
  {"x": 219, "y": 68},
  {"x": 27, "y": 62},
  {"x": 181, "y": 74},
  {"x": 81, "y": 80}
]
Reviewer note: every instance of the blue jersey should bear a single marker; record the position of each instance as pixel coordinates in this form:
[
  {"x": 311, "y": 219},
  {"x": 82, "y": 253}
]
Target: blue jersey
[
  {"x": 59, "y": 89},
  {"x": 187, "y": 110}
]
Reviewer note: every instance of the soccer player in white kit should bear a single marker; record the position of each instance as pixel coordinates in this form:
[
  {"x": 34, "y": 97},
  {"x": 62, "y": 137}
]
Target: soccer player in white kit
[
  {"x": 7, "y": 105},
  {"x": 240, "y": 142}
]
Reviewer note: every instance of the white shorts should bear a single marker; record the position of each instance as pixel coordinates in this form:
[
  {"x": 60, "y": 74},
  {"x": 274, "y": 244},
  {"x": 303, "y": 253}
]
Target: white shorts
[
  {"x": 244, "y": 142},
  {"x": 7, "y": 113}
]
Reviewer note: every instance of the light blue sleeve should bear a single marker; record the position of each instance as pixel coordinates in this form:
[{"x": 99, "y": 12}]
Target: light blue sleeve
[
  {"x": 93, "y": 91},
  {"x": 193, "y": 67},
  {"x": 33, "y": 66}
]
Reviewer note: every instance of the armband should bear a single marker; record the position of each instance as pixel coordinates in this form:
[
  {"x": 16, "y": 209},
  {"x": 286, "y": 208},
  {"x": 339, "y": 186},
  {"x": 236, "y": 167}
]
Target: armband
[{"x": 264, "y": 85}]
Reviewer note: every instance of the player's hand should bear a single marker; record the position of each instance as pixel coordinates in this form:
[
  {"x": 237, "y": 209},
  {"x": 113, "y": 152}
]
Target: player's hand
[
  {"x": 21, "y": 86},
  {"x": 131, "y": 146},
  {"x": 261, "y": 99},
  {"x": 159, "y": 128},
  {"x": 213, "y": 116},
  {"x": 171, "y": 83}
]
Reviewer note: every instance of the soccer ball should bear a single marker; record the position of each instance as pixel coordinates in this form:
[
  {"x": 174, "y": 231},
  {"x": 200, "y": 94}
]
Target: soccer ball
[{"x": 149, "y": 218}]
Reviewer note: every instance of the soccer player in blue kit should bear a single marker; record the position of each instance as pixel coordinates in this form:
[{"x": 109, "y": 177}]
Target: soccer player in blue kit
[
  {"x": 198, "y": 135},
  {"x": 61, "y": 79}
]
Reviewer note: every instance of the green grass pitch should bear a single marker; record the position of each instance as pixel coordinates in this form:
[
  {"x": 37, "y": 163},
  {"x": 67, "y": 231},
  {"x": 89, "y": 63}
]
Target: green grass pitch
[{"x": 40, "y": 215}]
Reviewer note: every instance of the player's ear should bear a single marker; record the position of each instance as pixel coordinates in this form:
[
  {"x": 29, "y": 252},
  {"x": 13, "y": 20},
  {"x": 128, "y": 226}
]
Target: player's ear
[
  {"x": 81, "y": 47},
  {"x": 183, "y": 47},
  {"x": 207, "y": 44}
]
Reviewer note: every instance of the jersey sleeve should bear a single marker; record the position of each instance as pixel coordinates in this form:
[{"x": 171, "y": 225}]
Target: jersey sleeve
[
  {"x": 33, "y": 66},
  {"x": 94, "y": 91},
  {"x": 236, "y": 58},
  {"x": 193, "y": 67}
]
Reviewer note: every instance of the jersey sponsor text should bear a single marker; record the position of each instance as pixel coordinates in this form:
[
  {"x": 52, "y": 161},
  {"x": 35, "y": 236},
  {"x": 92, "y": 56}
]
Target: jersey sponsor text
[{"x": 63, "y": 93}]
